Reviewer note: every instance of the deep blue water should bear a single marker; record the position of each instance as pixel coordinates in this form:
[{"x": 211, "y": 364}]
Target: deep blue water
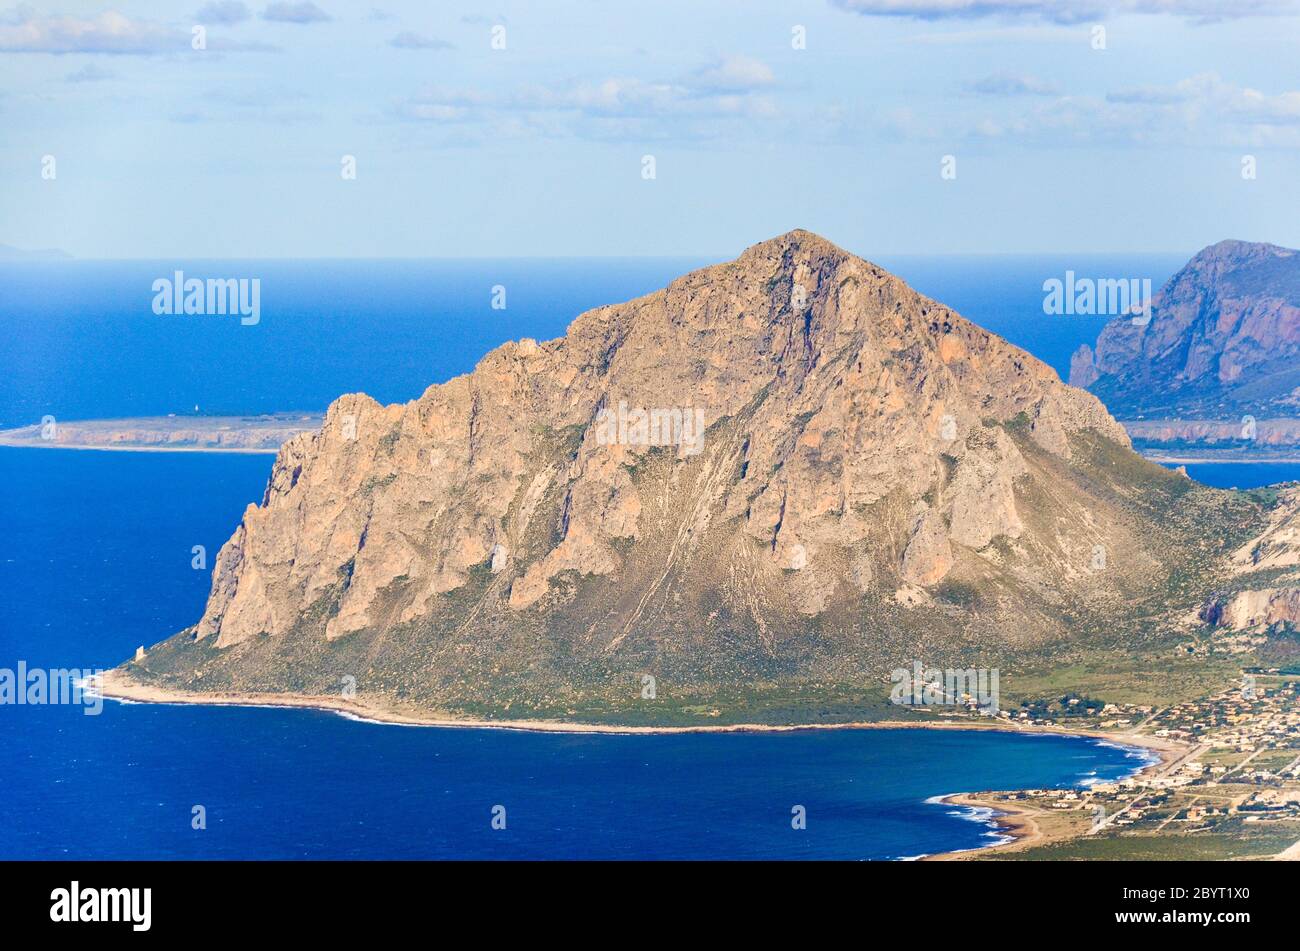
[
  {"x": 1242, "y": 475},
  {"x": 95, "y": 552},
  {"x": 95, "y": 560},
  {"x": 82, "y": 340}
]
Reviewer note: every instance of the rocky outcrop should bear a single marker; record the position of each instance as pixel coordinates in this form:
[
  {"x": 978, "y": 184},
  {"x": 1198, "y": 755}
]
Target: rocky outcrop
[
  {"x": 1083, "y": 367},
  {"x": 1222, "y": 341},
  {"x": 788, "y": 465},
  {"x": 1278, "y": 546},
  {"x": 1255, "y": 610},
  {"x": 1274, "y": 554},
  {"x": 928, "y": 556}
]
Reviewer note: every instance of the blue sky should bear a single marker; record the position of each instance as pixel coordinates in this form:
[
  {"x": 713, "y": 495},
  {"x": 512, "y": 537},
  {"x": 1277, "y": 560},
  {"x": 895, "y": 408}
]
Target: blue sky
[{"x": 236, "y": 150}]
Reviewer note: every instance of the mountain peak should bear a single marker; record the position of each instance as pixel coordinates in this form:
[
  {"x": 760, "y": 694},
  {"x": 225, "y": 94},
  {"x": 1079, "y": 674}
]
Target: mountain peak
[
  {"x": 1239, "y": 246},
  {"x": 681, "y": 484},
  {"x": 795, "y": 247},
  {"x": 798, "y": 238},
  {"x": 1234, "y": 252}
]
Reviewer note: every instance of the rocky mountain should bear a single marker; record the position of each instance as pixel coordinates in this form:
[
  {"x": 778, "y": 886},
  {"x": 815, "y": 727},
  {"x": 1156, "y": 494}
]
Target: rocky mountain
[
  {"x": 1222, "y": 341},
  {"x": 786, "y": 474}
]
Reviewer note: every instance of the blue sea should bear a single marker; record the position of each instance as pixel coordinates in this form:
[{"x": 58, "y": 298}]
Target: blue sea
[
  {"x": 1242, "y": 475},
  {"x": 95, "y": 554},
  {"x": 82, "y": 340}
]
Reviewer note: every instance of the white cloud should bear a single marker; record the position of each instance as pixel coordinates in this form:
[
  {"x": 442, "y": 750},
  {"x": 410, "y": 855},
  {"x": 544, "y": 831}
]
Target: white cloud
[
  {"x": 1208, "y": 96},
  {"x": 286, "y": 12},
  {"x": 1195, "y": 112},
  {"x": 90, "y": 73},
  {"x": 1037, "y": 34},
  {"x": 1068, "y": 11},
  {"x": 1200, "y": 112},
  {"x": 224, "y": 12},
  {"x": 1012, "y": 84},
  {"x": 26, "y": 31},
  {"x": 733, "y": 74},
  {"x": 406, "y": 40},
  {"x": 612, "y": 107}
]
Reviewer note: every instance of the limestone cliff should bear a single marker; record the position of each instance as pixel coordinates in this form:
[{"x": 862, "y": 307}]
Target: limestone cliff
[
  {"x": 1222, "y": 341},
  {"x": 789, "y": 468}
]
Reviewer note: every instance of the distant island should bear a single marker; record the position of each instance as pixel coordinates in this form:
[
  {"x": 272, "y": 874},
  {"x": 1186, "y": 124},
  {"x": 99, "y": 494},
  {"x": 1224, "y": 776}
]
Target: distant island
[
  {"x": 263, "y": 434},
  {"x": 10, "y": 253}
]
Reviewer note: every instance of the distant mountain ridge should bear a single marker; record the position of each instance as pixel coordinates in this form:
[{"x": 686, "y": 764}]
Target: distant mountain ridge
[
  {"x": 9, "y": 253},
  {"x": 1223, "y": 341}
]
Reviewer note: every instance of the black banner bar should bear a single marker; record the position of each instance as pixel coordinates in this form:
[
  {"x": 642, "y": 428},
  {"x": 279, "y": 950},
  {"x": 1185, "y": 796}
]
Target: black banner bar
[{"x": 369, "y": 899}]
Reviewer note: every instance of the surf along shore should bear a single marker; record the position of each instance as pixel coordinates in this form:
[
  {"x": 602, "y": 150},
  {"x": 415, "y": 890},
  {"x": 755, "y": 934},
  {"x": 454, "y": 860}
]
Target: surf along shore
[{"x": 1017, "y": 824}]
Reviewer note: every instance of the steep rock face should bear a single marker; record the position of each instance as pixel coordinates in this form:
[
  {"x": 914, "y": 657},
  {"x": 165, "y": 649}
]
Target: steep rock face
[
  {"x": 1265, "y": 607},
  {"x": 1275, "y": 554},
  {"x": 854, "y": 388},
  {"x": 1278, "y": 546},
  {"x": 1223, "y": 340},
  {"x": 789, "y": 465}
]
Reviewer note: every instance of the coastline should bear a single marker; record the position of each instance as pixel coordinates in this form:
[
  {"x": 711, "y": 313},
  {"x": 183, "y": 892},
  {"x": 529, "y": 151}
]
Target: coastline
[
  {"x": 261, "y": 433},
  {"x": 1016, "y": 824},
  {"x": 118, "y": 685},
  {"x": 1180, "y": 459}
]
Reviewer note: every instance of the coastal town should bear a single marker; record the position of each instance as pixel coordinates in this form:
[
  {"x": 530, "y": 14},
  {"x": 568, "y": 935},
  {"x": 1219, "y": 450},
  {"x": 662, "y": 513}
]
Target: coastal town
[{"x": 1226, "y": 784}]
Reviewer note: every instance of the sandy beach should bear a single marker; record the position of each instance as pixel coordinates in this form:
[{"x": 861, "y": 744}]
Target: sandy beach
[{"x": 1019, "y": 821}]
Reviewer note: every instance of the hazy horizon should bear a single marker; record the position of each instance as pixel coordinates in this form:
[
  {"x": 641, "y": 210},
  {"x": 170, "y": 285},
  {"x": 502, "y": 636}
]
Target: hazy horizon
[
  {"x": 232, "y": 130},
  {"x": 23, "y": 257}
]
